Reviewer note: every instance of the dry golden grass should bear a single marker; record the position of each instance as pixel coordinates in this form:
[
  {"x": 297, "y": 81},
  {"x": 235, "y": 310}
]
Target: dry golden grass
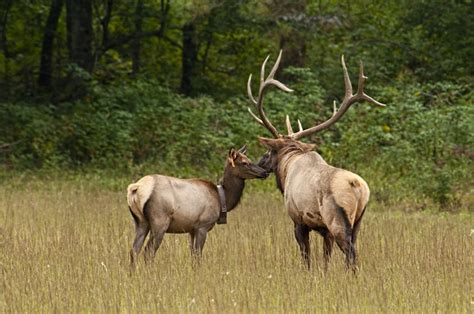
[{"x": 64, "y": 248}]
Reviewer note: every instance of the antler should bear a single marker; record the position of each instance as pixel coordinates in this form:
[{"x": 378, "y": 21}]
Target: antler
[
  {"x": 264, "y": 84},
  {"x": 290, "y": 129},
  {"x": 348, "y": 100}
]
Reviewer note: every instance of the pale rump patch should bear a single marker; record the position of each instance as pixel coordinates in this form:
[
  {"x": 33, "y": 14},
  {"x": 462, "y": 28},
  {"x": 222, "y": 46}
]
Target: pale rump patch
[
  {"x": 351, "y": 193},
  {"x": 138, "y": 193}
]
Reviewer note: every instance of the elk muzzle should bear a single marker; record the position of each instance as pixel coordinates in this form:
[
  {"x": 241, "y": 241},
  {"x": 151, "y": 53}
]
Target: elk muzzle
[{"x": 258, "y": 172}]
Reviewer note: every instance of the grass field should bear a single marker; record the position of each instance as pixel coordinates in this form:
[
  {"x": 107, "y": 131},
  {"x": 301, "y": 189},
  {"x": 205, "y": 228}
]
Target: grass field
[{"x": 64, "y": 248}]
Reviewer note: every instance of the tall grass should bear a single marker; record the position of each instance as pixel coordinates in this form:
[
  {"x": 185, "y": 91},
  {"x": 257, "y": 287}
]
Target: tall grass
[{"x": 64, "y": 248}]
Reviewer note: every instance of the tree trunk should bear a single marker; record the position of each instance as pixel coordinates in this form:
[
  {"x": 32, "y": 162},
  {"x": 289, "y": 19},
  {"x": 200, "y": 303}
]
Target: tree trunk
[
  {"x": 189, "y": 57},
  {"x": 79, "y": 42},
  {"x": 105, "y": 23},
  {"x": 80, "y": 33},
  {"x": 293, "y": 16},
  {"x": 6, "y": 6},
  {"x": 294, "y": 46},
  {"x": 46, "y": 70},
  {"x": 136, "y": 44}
]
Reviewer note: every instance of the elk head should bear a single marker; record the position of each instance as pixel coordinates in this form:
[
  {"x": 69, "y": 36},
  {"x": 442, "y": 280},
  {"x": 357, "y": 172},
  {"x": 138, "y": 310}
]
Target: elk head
[
  {"x": 239, "y": 165},
  {"x": 269, "y": 160},
  {"x": 292, "y": 139}
]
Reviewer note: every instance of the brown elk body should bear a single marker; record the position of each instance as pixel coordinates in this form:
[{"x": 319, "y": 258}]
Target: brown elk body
[
  {"x": 318, "y": 196},
  {"x": 160, "y": 204}
]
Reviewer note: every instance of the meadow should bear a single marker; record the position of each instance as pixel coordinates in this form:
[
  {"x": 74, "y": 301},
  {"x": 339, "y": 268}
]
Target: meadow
[{"x": 64, "y": 248}]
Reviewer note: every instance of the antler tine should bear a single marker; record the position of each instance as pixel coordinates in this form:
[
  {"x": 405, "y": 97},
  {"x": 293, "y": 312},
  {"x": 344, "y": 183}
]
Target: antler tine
[
  {"x": 255, "y": 117},
  {"x": 264, "y": 83},
  {"x": 373, "y": 101},
  {"x": 361, "y": 85},
  {"x": 275, "y": 66},
  {"x": 348, "y": 100},
  {"x": 362, "y": 78},
  {"x": 347, "y": 80},
  {"x": 262, "y": 70},
  {"x": 288, "y": 126},
  {"x": 249, "y": 90},
  {"x": 290, "y": 129},
  {"x": 271, "y": 81}
]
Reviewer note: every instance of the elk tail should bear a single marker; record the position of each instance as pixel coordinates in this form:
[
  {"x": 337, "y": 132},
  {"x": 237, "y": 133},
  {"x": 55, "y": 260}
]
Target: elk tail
[{"x": 137, "y": 196}]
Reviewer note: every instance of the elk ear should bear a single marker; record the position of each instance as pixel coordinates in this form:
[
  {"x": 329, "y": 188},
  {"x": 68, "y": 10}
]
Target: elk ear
[
  {"x": 308, "y": 147},
  {"x": 243, "y": 149},
  {"x": 268, "y": 142},
  {"x": 233, "y": 154}
]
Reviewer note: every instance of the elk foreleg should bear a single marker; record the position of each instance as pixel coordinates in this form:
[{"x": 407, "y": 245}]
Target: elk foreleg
[
  {"x": 191, "y": 242},
  {"x": 200, "y": 236},
  {"x": 302, "y": 237}
]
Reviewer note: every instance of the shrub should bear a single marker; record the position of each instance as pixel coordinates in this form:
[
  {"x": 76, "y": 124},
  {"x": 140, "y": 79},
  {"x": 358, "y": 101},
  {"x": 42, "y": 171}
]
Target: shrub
[{"x": 418, "y": 147}]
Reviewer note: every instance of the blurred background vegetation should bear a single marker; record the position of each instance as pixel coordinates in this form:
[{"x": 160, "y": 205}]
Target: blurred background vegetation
[{"x": 131, "y": 87}]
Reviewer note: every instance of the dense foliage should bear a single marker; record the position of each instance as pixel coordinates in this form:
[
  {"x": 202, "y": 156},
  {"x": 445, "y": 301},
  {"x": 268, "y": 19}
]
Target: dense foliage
[{"x": 161, "y": 85}]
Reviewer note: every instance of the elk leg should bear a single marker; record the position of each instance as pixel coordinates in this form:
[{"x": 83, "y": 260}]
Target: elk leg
[
  {"x": 327, "y": 249},
  {"x": 200, "y": 239},
  {"x": 341, "y": 229},
  {"x": 141, "y": 231},
  {"x": 302, "y": 237},
  {"x": 158, "y": 230},
  {"x": 355, "y": 231},
  {"x": 191, "y": 242},
  {"x": 344, "y": 241}
]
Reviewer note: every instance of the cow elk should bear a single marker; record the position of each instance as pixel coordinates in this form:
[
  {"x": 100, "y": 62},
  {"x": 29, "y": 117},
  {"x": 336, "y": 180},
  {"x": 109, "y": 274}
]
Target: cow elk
[
  {"x": 160, "y": 204},
  {"x": 318, "y": 196}
]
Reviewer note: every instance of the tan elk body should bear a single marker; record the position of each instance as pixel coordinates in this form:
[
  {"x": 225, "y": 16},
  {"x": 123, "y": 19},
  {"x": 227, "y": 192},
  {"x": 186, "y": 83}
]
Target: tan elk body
[
  {"x": 161, "y": 204},
  {"x": 317, "y": 195},
  {"x": 312, "y": 187}
]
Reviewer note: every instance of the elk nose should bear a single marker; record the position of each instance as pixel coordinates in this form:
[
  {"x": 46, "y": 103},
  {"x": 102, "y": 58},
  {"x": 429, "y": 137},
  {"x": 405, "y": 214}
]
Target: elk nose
[{"x": 264, "y": 174}]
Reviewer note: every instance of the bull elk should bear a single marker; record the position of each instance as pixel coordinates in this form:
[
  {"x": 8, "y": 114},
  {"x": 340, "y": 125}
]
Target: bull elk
[
  {"x": 163, "y": 204},
  {"x": 318, "y": 196}
]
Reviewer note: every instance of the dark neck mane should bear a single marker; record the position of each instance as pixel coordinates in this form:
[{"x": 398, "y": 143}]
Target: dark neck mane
[
  {"x": 233, "y": 188},
  {"x": 284, "y": 155}
]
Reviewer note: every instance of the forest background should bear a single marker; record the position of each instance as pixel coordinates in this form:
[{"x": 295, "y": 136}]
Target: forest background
[{"x": 112, "y": 90}]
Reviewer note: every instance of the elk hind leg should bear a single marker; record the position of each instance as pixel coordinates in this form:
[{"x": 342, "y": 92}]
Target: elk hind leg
[
  {"x": 342, "y": 231},
  {"x": 302, "y": 237},
  {"x": 355, "y": 231},
  {"x": 141, "y": 231},
  {"x": 158, "y": 229},
  {"x": 327, "y": 249}
]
